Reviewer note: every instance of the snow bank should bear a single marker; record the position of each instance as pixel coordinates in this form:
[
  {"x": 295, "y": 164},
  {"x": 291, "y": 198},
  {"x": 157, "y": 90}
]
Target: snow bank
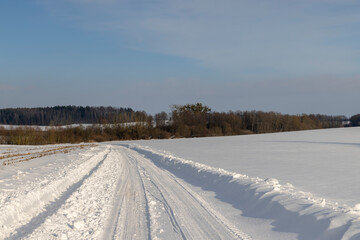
[
  {"x": 290, "y": 209},
  {"x": 17, "y": 209}
]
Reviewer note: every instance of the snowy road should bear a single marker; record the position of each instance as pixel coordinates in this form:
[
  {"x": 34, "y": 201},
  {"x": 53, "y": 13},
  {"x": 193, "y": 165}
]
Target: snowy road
[
  {"x": 110, "y": 192},
  {"x": 127, "y": 190}
]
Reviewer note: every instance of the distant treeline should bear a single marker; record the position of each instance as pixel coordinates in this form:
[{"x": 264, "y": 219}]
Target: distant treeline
[
  {"x": 197, "y": 120},
  {"x": 63, "y": 115},
  {"x": 192, "y": 120},
  {"x": 355, "y": 120}
]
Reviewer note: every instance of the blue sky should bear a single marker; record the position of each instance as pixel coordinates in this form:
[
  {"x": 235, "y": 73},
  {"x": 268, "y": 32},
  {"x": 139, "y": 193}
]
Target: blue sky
[{"x": 286, "y": 56}]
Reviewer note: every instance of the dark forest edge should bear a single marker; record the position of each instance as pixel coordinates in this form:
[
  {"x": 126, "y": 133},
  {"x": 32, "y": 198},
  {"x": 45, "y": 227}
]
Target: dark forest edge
[{"x": 184, "y": 121}]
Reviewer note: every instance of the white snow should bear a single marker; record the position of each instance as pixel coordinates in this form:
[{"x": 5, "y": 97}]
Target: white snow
[
  {"x": 297, "y": 185},
  {"x": 323, "y": 162},
  {"x": 84, "y": 125}
]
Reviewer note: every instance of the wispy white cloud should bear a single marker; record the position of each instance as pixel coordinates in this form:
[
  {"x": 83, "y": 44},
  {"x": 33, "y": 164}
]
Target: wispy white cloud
[{"x": 242, "y": 38}]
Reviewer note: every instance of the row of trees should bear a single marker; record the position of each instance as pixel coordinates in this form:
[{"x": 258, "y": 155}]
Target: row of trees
[
  {"x": 198, "y": 120},
  {"x": 63, "y": 115},
  {"x": 191, "y": 120}
]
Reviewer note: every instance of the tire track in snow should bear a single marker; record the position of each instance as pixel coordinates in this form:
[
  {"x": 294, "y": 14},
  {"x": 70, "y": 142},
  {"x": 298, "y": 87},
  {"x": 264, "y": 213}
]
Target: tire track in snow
[
  {"x": 146, "y": 205},
  {"x": 87, "y": 213},
  {"x": 168, "y": 209},
  {"x": 215, "y": 214},
  {"x": 129, "y": 218},
  {"x": 110, "y": 230},
  {"x": 189, "y": 217}
]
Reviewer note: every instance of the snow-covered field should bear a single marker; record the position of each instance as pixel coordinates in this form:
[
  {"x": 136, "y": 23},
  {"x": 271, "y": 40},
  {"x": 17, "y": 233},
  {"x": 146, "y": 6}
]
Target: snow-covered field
[{"x": 297, "y": 185}]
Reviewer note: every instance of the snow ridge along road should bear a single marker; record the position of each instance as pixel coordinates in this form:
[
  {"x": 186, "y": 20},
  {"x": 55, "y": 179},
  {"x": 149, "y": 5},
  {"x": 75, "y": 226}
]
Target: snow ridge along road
[
  {"x": 105, "y": 192},
  {"x": 31, "y": 202}
]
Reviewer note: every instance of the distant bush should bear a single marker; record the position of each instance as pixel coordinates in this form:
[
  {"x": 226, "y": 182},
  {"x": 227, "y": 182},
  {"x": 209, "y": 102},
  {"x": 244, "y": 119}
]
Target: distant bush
[{"x": 355, "y": 120}]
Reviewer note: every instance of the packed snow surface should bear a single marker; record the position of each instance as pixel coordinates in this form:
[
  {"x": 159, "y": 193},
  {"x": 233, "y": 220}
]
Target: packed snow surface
[{"x": 298, "y": 185}]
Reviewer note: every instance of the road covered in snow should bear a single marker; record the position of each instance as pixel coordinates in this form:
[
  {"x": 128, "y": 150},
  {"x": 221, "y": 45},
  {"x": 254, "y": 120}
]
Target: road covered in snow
[
  {"x": 130, "y": 190},
  {"x": 104, "y": 192}
]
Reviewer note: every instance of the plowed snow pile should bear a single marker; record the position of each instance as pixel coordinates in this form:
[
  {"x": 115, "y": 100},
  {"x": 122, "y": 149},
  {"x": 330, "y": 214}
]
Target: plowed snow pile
[{"x": 298, "y": 185}]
